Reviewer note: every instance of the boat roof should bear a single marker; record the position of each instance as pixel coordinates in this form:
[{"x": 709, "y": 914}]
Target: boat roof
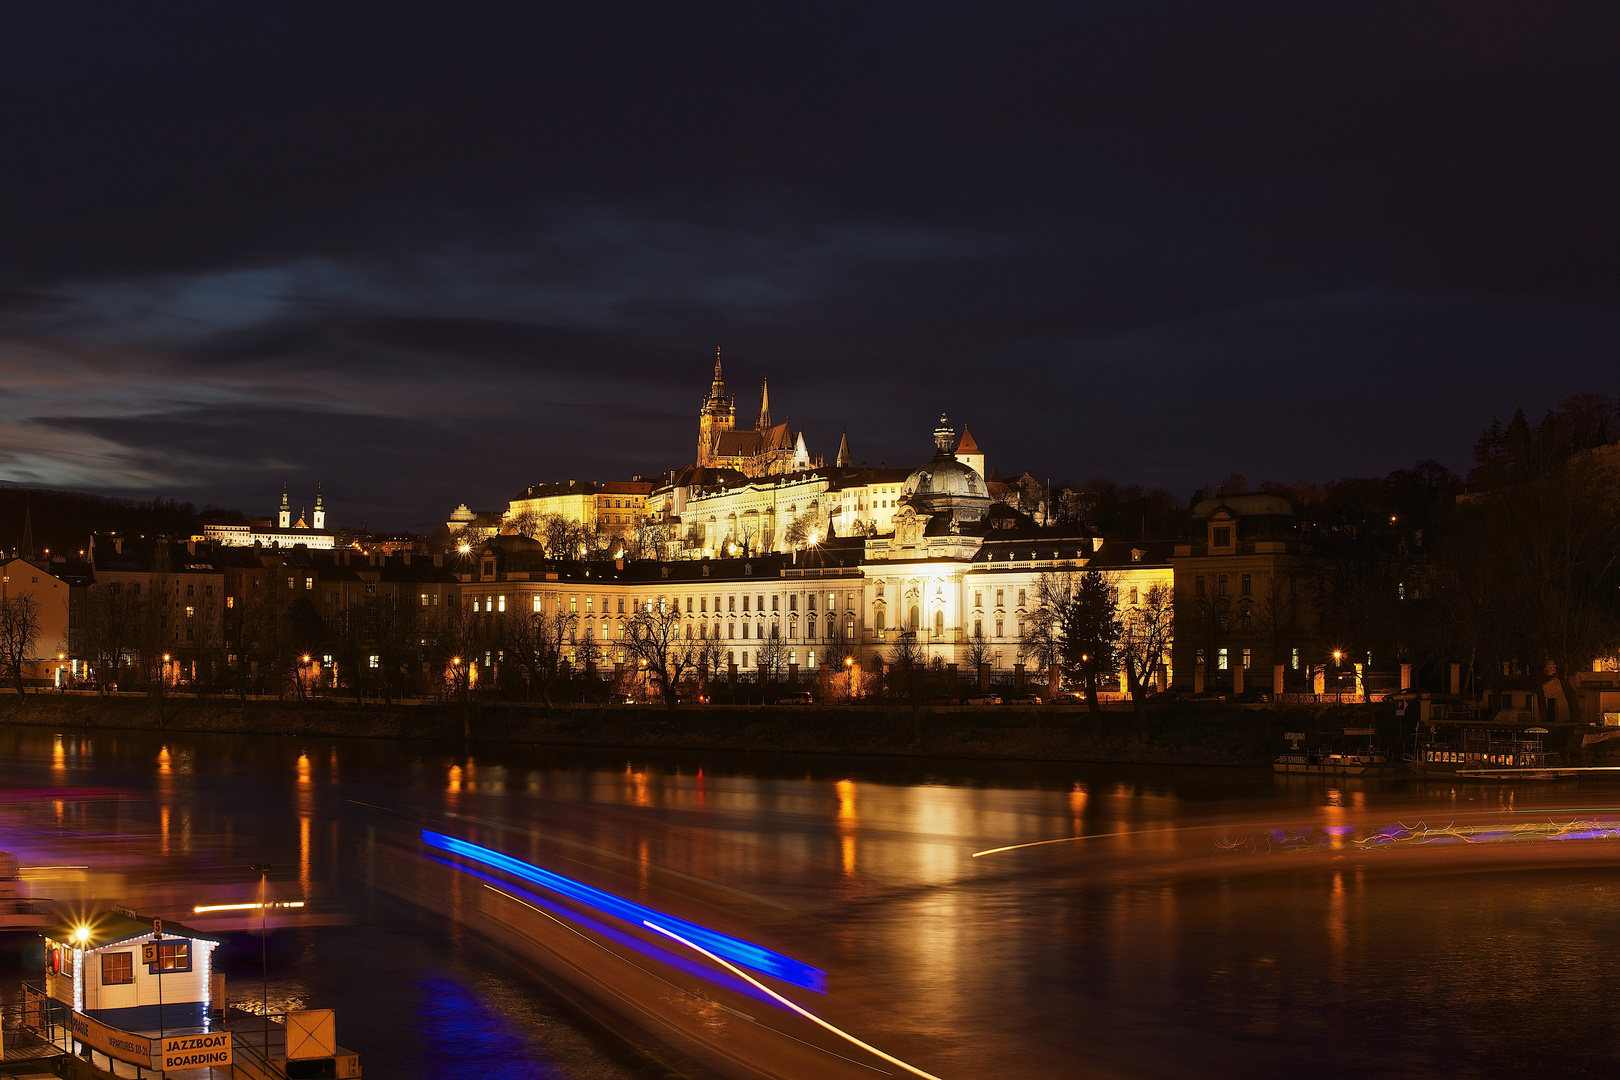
[{"x": 116, "y": 927}]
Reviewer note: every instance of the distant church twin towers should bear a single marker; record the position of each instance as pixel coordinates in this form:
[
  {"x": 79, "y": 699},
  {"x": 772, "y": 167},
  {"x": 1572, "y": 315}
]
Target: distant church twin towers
[
  {"x": 769, "y": 449},
  {"x": 284, "y": 519}
]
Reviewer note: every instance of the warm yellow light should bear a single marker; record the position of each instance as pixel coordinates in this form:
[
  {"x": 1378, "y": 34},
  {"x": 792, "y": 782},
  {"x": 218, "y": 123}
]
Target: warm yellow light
[
  {"x": 306, "y": 658},
  {"x": 849, "y": 661},
  {"x": 455, "y": 661},
  {"x": 82, "y": 934},
  {"x": 464, "y": 547},
  {"x": 165, "y": 658},
  {"x": 246, "y": 907}
]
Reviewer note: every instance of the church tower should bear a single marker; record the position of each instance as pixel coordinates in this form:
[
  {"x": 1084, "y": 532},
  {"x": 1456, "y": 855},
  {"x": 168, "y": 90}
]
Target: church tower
[
  {"x": 284, "y": 520},
  {"x": 764, "y": 421},
  {"x": 844, "y": 460},
  {"x": 718, "y": 414},
  {"x": 320, "y": 509}
]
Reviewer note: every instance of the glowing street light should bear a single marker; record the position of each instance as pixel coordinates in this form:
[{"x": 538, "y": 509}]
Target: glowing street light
[{"x": 82, "y": 934}]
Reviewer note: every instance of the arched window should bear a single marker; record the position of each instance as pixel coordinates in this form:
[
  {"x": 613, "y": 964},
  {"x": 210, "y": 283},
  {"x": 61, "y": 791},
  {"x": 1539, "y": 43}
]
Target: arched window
[
  {"x": 849, "y": 628},
  {"x": 916, "y": 618},
  {"x": 878, "y": 618},
  {"x": 978, "y": 628},
  {"x": 939, "y": 623},
  {"x": 793, "y": 627},
  {"x": 831, "y": 625},
  {"x": 810, "y": 627}
]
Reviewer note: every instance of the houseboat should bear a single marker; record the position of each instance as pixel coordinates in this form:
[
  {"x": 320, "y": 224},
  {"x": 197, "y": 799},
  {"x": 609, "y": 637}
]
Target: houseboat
[
  {"x": 129, "y": 989},
  {"x": 1486, "y": 750},
  {"x": 1351, "y": 754}
]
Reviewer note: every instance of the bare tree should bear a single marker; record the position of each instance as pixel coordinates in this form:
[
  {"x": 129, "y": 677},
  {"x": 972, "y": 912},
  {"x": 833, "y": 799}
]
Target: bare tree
[
  {"x": 978, "y": 651},
  {"x": 655, "y": 640},
  {"x": 19, "y": 635},
  {"x": 112, "y": 620},
  {"x": 1147, "y": 633}
]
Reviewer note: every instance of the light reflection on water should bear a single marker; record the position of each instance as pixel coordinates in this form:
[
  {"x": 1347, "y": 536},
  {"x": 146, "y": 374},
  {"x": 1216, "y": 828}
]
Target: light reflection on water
[{"x": 1215, "y": 921}]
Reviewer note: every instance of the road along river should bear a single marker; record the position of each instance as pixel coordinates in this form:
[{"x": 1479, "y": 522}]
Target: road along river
[{"x": 952, "y": 919}]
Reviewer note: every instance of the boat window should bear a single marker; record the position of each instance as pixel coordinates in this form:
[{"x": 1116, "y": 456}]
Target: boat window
[
  {"x": 173, "y": 956},
  {"x": 117, "y": 967}
]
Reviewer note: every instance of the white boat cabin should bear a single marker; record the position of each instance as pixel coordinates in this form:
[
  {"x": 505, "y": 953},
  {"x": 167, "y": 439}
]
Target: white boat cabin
[{"x": 131, "y": 972}]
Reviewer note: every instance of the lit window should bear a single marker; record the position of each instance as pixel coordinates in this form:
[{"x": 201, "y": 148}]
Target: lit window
[
  {"x": 1246, "y": 659},
  {"x": 230, "y": 601},
  {"x": 501, "y": 601},
  {"x": 374, "y": 661},
  {"x": 537, "y": 602},
  {"x": 117, "y": 968},
  {"x": 1220, "y": 659},
  {"x": 173, "y": 956}
]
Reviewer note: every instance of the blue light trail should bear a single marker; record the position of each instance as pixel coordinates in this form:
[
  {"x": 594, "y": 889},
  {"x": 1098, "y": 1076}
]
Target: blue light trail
[{"x": 755, "y": 957}]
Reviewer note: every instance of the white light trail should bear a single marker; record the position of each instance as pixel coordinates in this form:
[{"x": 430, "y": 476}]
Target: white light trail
[{"x": 812, "y": 1017}]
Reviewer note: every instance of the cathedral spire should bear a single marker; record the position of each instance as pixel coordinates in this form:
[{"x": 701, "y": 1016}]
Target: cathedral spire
[
  {"x": 717, "y": 389},
  {"x": 28, "y": 530},
  {"x": 844, "y": 460},
  {"x": 764, "y": 423}
]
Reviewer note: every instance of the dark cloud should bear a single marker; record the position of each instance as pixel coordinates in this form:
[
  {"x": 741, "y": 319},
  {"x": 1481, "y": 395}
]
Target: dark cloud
[{"x": 437, "y": 255}]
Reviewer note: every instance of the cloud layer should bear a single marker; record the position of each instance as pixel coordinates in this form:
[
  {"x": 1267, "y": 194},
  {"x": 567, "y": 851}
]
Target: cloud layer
[{"x": 426, "y": 259}]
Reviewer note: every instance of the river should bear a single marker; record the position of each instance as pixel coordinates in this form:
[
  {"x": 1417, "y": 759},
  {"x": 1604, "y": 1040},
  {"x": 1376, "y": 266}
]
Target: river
[{"x": 1188, "y": 923}]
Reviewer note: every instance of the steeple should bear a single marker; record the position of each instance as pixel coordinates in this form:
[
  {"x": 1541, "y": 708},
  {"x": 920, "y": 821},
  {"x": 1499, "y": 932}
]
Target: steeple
[
  {"x": 717, "y": 389},
  {"x": 944, "y": 436},
  {"x": 320, "y": 509},
  {"x": 284, "y": 519},
  {"x": 844, "y": 460},
  {"x": 28, "y": 530},
  {"x": 764, "y": 423}
]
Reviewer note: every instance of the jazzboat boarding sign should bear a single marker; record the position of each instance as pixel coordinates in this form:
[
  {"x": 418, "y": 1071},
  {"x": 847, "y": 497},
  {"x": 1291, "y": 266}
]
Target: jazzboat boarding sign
[{"x": 195, "y": 1051}]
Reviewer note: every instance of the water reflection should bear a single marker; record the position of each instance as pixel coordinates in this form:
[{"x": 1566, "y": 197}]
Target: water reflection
[{"x": 1190, "y": 922}]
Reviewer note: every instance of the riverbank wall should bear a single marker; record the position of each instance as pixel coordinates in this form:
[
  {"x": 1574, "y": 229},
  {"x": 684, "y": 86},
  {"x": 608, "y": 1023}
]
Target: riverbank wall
[{"x": 1180, "y": 734}]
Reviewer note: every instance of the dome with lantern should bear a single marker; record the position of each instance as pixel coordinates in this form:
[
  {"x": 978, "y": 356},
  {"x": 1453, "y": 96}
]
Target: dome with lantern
[{"x": 945, "y": 485}]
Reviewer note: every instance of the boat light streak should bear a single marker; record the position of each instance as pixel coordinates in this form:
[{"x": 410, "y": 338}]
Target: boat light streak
[
  {"x": 1088, "y": 836},
  {"x": 746, "y": 953},
  {"x": 246, "y": 907},
  {"x": 810, "y": 1016}
]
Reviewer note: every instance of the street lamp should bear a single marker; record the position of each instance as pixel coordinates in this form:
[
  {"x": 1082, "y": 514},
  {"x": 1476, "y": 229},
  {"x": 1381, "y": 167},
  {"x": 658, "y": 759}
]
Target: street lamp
[{"x": 264, "y": 949}]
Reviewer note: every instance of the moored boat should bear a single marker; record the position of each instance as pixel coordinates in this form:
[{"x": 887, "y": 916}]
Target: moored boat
[
  {"x": 1344, "y": 755},
  {"x": 1486, "y": 750}
]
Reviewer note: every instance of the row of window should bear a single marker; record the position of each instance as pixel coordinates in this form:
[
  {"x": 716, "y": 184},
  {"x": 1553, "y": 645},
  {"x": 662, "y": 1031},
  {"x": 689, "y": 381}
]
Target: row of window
[
  {"x": 1246, "y": 584},
  {"x": 118, "y": 968}
]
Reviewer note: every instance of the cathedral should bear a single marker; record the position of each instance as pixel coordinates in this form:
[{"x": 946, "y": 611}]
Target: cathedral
[{"x": 766, "y": 450}]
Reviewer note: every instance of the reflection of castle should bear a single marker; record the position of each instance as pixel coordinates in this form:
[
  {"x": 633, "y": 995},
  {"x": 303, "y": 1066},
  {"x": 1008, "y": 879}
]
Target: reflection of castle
[{"x": 768, "y": 450}]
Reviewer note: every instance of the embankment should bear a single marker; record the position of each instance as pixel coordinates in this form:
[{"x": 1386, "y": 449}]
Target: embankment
[{"x": 1181, "y": 734}]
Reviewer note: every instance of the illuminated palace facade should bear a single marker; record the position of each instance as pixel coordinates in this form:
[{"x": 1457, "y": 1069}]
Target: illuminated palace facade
[{"x": 949, "y": 566}]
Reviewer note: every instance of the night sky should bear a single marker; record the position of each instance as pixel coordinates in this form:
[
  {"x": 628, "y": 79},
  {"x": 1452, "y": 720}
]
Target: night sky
[{"x": 427, "y": 255}]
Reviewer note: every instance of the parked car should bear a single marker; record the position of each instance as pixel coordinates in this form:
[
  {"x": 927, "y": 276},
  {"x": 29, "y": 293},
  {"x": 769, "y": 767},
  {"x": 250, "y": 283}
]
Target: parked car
[
  {"x": 1206, "y": 696},
  {"x": 1026, "y": 699},
  {"x": 1409, "y": 694},
  {"x": 984, "y": 699},
  {"x": 943, "y": 699},
  {"x": 799, "y": 697}
]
